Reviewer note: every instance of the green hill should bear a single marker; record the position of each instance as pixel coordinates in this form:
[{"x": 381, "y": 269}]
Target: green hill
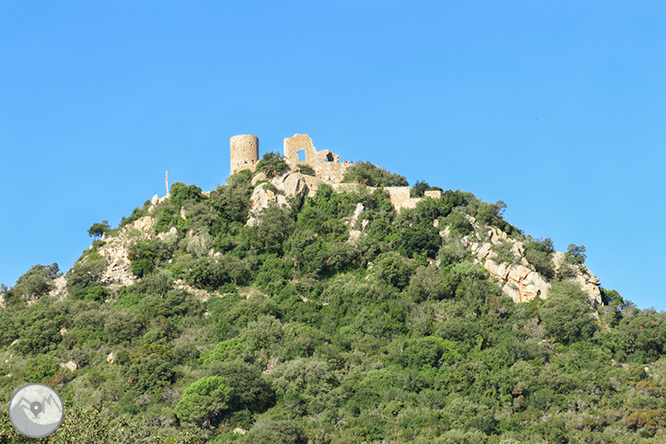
[{"x": 266, "y": 312}]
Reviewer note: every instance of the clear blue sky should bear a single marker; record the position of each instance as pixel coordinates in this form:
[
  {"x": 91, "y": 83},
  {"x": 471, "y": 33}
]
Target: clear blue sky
[{"x": 556, "y": 108}]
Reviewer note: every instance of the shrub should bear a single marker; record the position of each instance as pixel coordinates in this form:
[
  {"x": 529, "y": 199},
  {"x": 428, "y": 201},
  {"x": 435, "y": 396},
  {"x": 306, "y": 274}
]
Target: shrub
[
  {"x": 429, "y": 283},
  {"x": 272, "y": 164},
  {"x": 539, "y": 254},
  {"x": 373, "y": 176},
  {"x": 249, "y": 389},
  {"x": 211, "y": 274},
  {"x": 420, "y": 239},
  {"x": 394, "y": 270},
  {"x": 203, "y": 401},
  {"x": 419, "y": 189},
  {"x": 146, "y": 254},
  {"x": 98, "y": 229},
  {"x": 232, "y": 200},
  {"x": 149, "y": 372},
  {"x": 122, "y": 325},
  {"x": 307, "y": 170},
  {"x": 274, "y": 226},
  {"x": 37, "y": 281},
  {"x": 575, "y": 254},
  {"x": 566, "y": 313},
  {"x": 39, "y": 369},
  {"x": 271, "y": 432},
  {"x": 181, "y": 193},
  {"x": 84, "y": 280}
]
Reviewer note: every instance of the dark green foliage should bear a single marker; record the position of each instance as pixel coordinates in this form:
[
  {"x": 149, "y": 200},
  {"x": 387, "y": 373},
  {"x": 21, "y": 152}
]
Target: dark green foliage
[
  {"x": 181, "y": 193},
  {"x": 98, "y": 229},
  {"x": 272, "y": 164},
  {"x": 539, "y": 254},
  {"x": 373, "y": 176},
  {"x": 420, "y": 240},
  {"x": 122, "y": 325},
  {"x": 298, "y": 332},
  {"x": 203, "y": 400},
  {"x": 148, "y": 371},
  {"x": 394, "y": 270},
  {"x": 38, "y": 329},
  {"x": 306, "y": 169},
  {"x": 429, "y": 283},
  {"x": 274, "y": 227},
  {"x": 84, "y": 280},
  {"x": 284, "y": 432},
  {"x": 36, "y": 282},
  {"x": 420, "y": 188},
  {"x": 145, "y": 255},
  {"x": 566, "y": 313},
  {"x": 575, "y": 254},
  {"x": 39, "y": 370},
  {"x": 213, "y": 273},
  {"x": 231, "y": 202},
  {"x": 491, "y": 214},
  {"x": 249, "y": 388}
]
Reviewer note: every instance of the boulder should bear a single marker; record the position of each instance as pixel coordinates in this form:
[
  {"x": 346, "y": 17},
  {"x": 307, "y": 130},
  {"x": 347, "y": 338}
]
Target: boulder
[
  {"x": 69, "y": 365},
  {"x": 294, "y": 185}
]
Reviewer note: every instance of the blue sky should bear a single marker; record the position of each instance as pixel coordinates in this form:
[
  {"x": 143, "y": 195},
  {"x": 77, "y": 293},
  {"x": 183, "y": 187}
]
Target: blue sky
[{"x": 556, "y": 108}]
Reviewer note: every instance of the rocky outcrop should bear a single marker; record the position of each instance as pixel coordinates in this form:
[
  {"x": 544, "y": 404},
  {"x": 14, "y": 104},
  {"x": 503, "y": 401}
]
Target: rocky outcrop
[
  {"x": 583, "y": 276},
  {"x": 275, "y": 191},
  {"x": 116, "y": 250},
  {"x": 69, "y": 365},
  {"x": 59, "y": 289},
  {"x": 519, "y": 280}
]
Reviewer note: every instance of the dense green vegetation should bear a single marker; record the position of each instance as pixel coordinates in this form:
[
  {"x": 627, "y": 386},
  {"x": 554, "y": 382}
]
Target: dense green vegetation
[
  {"x": 371, "y": 175},
  {"x": 306, "y": 337}
]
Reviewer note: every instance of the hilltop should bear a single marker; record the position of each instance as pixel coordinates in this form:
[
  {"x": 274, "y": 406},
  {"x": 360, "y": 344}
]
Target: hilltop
[{"x": 317, "y": 300}]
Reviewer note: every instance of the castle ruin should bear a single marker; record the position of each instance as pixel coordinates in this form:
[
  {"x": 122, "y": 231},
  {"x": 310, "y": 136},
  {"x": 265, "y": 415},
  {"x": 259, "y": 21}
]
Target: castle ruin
[{"x": 299, "y": 151}]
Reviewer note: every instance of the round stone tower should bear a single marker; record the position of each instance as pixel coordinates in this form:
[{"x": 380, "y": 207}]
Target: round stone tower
[{"x": 244, "y": 152}]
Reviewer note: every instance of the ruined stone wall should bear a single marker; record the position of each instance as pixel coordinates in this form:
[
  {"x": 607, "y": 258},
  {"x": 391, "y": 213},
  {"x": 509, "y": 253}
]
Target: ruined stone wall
[
  {"x": 326, "y": 163},
  {"x": 244, "y": 153}
]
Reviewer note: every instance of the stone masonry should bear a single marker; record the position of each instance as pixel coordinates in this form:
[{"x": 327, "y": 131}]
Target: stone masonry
[
  {"x": 325, "y": 163},
  {"x": 244, "y": 153}
]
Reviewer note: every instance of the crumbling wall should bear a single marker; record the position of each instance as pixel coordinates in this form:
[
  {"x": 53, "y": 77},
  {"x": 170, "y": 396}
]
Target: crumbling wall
[{"x": 325, "y": 163}]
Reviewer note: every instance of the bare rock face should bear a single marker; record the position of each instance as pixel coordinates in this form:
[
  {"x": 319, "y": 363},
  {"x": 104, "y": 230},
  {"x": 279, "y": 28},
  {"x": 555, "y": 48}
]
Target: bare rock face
[
  {"x": 69, "y": 365},
  {"x": 288, "y": 185},
  {"x": 294, "y": 185},
  {"x": 118, "y": 273},
  {"x": 519, "y": 281},
  {"x": 354, "y": 234},
  {"x": 59, "y": 287}
]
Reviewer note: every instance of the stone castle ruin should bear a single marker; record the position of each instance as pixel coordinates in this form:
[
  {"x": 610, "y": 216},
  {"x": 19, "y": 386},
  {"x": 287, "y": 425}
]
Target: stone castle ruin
[{"x": 299, "y": 150}]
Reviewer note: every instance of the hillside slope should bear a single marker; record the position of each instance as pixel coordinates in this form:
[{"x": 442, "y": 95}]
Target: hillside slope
[{"x": 283, "y": 307}]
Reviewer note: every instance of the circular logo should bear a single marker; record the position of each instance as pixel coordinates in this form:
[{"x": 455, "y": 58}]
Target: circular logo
[{"x": 36, "y": 410}]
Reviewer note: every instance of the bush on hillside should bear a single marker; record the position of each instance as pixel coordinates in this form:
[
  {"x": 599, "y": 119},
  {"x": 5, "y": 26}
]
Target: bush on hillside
[{"x": 371, "y": 175}]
